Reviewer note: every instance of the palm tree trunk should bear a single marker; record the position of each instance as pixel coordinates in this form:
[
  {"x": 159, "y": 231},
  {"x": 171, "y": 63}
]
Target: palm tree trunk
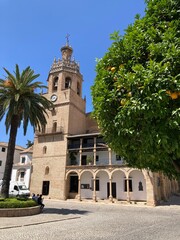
[{"x": 10, "y": 157}]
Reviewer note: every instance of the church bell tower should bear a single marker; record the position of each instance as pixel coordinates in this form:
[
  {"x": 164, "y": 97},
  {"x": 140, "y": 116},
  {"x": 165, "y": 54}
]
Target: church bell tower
[{"x": 66, "y": 118}]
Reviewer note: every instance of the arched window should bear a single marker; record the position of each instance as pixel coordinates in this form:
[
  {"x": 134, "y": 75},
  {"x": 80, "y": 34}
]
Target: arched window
[
  {"x": 43, "y": 129},
  {"x": 140, "y": 187},
  {"x": 55, "y": 84},
  {"x": 54, "y": 129},
  {"x": 53, "y": 112},
  {"x": 67, "y": 82},
  {"x": 44, "y": 150},
  {"x": 47, "y": 170},
  {"x": 78, "y": 88},
  {"x": 20, "y": 175}
]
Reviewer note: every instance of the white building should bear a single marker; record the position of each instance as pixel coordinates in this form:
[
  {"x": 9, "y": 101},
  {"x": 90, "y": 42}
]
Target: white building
[
  {"x": 21, "y": 171},
  {"x": 3, "y": 155}
]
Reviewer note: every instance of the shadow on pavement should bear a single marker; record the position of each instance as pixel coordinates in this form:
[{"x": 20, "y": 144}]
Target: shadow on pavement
[
  {"x": 63, "y": 211},
  {"x": 174, "y": 200}
]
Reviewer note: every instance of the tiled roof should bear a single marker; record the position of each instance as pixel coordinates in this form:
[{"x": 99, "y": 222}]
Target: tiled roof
[
  {"x": 5, "y": 144},
  {"x": 28, "y": 150}
]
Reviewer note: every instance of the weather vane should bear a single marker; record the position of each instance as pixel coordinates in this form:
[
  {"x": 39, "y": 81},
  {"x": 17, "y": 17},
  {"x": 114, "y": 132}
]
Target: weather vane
[{"x": 67, "y": 39}]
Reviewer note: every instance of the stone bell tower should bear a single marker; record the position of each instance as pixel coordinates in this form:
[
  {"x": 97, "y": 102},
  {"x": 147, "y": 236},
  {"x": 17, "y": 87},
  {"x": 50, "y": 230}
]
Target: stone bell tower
[{"x": 66, "y": 118}]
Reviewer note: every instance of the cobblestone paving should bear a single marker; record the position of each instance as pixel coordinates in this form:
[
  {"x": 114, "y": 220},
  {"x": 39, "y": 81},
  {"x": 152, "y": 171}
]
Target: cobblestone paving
[{"x": 72, "y": 220}]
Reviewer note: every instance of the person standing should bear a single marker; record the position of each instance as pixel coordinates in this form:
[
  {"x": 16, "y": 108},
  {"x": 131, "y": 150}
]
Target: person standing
[{"x": 40, "y": 201}]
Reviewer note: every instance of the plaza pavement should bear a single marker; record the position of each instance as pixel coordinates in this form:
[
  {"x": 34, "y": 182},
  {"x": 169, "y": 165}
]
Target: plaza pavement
[{"x": 69, "y": 220}]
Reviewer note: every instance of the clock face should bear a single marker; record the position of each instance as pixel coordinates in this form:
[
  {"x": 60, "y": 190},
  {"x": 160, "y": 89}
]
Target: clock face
[{"x": 53, "y": 98}]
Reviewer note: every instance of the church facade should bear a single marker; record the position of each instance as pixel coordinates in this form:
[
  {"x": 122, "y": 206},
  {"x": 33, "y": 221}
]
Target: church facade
[{"x": 70, "y": 157}]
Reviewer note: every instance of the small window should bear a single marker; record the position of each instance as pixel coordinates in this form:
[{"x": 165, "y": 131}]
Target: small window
[
  {"x": 23, "y": 159},
  {"x": 67, "y": 82},
  {"x": 3, "y": 149},
  {"x": 140, "y": 187},
  {"x": 16, "y": 188},
  {"x": 45, "y": 187},
  {"x": 47, "y": 170},
  {"x": 118, "y": 158},
  {"x": 0, "y": 163},
  {"x": 129, "y": 181},
  {"x": 55, "y": 84},
  {"x": 78, "y": 88},
  {"x": 22, "y": 175},
  {"x": 44, "y": 150},
  {"x": 43, "y": 129},
  {"x": 97, "y": 158},
  {"x": 53, "y": 112},
  {"x": 54, "y": 127}
]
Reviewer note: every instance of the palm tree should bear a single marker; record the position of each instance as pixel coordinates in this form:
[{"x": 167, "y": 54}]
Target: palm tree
[
  {"x": 19, "y": 103},
  {"x": 29, "y": 143}
]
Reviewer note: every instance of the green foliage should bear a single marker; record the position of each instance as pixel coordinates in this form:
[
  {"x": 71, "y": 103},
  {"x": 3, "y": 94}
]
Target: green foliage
[
  {"x": 72, "y": 156},
  {"x": 136, "y": 94},
  {"x": 17, "y": 203}
]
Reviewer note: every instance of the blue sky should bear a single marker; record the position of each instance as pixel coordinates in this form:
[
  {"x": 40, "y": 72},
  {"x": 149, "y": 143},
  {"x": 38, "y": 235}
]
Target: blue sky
[{"x": 33, "y": 31}]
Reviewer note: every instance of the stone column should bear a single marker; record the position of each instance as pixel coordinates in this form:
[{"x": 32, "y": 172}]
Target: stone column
[
  {"x": 94, "y": 151},
  {"x": 110, "y": 190},
  {"x": 150, "y": 189},
  {"x": 79, "y": 189},
  {"x": 65, "y": 190},
  {"x": 127, "y": 186},
  {"x": 80, "y": 157},
  {"x": 80, "y": 153},
  {"x": 110, "y": 156},
  {"x": 94, "y": 190}
]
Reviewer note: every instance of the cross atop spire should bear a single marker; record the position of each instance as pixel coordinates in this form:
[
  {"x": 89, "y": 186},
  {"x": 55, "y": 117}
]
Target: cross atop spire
[{"x": 67, "y": 39}]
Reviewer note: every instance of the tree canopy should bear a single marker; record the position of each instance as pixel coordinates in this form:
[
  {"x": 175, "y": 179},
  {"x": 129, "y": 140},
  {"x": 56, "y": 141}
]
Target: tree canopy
[{"x": 136, "y": 94}]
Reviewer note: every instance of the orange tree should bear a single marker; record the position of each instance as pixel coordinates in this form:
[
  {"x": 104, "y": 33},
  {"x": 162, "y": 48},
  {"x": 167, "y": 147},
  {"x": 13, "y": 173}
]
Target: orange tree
[
  {"x": 20, "y": 104},
  {"x": 136, "y": 94}
]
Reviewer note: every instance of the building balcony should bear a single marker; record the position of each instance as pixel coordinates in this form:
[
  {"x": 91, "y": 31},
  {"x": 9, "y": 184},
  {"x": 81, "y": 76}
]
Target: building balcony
[
  {"x": 74, "y": 146},
  {"x": 50, "y": 131},
  {"x": 103, "y": 166}
]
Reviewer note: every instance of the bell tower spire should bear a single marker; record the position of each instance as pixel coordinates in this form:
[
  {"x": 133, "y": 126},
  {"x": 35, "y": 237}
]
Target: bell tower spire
[
  {"x": 67, "y": 39},
  {"x": 66, "y": 50}
]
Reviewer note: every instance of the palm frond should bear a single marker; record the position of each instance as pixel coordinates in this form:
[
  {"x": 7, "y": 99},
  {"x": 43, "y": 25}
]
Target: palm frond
[{"x": 22, "y": 101}]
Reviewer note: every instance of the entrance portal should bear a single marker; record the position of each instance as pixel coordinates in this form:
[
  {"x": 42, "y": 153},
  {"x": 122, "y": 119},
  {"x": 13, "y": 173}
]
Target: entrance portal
[
  {"x": 45, "y": 188},
  {"x": 74, "y": 184}
]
